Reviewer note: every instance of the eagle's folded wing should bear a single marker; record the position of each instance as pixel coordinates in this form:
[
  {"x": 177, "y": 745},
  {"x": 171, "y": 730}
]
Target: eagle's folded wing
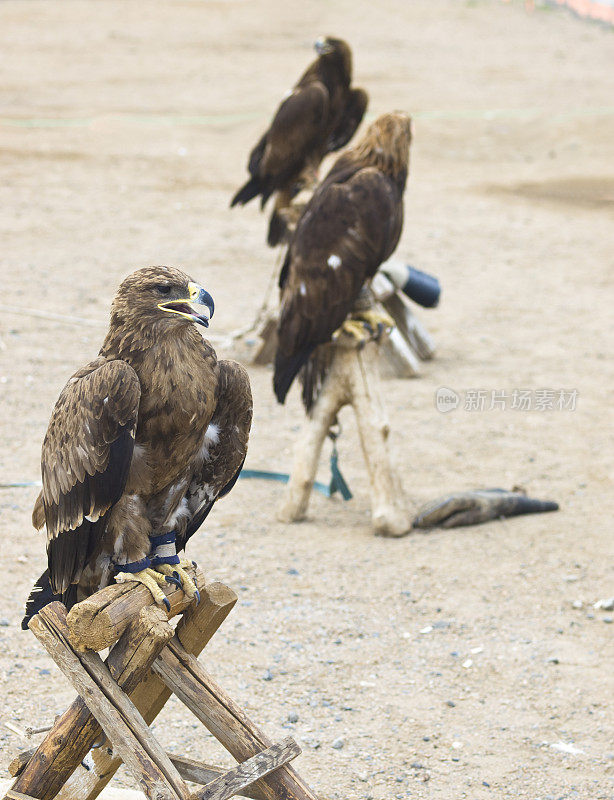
[
  {"x": 350, "y": 119},
  {"x": 297, "y": 125},
  {"x": 85, "y": 462},
  {"x": 338, "y": 243},
  {"x": 227, "y": 435}
]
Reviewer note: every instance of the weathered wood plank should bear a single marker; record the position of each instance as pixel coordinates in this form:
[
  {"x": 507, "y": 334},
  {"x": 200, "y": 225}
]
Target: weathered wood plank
[
  {"x": 188, "y": 679},
  {"x": 117, "y": 715},
  {"x": 188, "y": 768},
  {"x": 410, "y": 327},
  {"x": 11, "y": 794},
  {"x": 76, "y": 730},
  {"x": 20, "y": 762},
  {"x": 199, "y": 772},
  {"x": 194, "y": 631},
  {"x": 256, "y": 767},
  {"x": 98, "y": 621},
  {"x": 399, "y": 355}
]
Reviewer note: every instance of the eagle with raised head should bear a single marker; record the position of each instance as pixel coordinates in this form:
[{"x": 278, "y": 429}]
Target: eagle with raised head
[
  {"x": 349, "y": 227},
  {"x": 141, "y": 443},
  {"x": 319, "y": 116}
]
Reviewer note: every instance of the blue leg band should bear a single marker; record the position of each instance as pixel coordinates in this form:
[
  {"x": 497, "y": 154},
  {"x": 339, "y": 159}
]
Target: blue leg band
[
  {"x": 163, "y": 549},
  {"x": 133, "y": 566}
]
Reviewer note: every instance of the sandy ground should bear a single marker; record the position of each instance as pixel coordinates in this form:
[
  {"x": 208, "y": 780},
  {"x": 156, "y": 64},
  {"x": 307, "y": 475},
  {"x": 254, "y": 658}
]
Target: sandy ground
[{"x": 450, "y": 664}]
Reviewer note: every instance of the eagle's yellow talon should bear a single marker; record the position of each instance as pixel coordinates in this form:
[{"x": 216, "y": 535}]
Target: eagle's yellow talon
[
  {"x": 354, "y": 329},
  {"x": 375, "y": 319},
  {"x": 363, "y": 326},
  {"x": 149, "y": 578},
  {"x": 187, "y": 584}
]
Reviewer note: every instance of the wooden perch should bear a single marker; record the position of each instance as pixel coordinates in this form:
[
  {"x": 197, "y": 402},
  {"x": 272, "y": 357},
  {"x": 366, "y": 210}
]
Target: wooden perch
[
  {"x": 194, "y": 630},
  {"x": 98, "y": 621},
  {"x": 187, "y": 678},
  {"x": 117, "y": 715},
  {"x": 353, "y": 379},
  {"x": 149, "y": 662},
  {"x": 76, "y": 730}
]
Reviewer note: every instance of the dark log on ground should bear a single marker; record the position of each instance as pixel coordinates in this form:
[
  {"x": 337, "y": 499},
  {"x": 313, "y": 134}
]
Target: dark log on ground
[{"x": 472, "y": 508}]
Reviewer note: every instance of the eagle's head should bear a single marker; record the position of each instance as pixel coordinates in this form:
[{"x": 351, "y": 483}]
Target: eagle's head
[
  {"x": 335, "y": 50},
  {"x": 155, "y": 297},
  {"x": 385, "y": 144}
]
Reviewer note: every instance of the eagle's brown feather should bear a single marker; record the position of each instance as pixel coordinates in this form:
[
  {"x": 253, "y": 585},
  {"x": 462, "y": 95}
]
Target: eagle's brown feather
[
  {"x": 349, "y": 227},
  {"x": 320, "y": 115},
  {"x": 127, "y": 448}
]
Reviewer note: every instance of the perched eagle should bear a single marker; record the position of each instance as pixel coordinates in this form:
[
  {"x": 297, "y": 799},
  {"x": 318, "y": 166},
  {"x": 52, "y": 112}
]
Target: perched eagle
[
  {"x": 320, "y": 115},
  {"x": 349, "y": 227},
  {"x": 141, "y": 443}
]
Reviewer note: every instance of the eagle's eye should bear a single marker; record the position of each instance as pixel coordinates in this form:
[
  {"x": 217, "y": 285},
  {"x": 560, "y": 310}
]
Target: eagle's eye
[{"x": 163, "y": 288}]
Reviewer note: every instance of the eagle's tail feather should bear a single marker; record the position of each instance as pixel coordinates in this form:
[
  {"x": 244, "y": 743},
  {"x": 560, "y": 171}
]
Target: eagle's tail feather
[
  {"x": 277, "y": 229},
  {"x": 313, "y": 374},
  {"x": 42, "y": 594},
  {"x": 247, "y": 192},
  {"x": 286, "y": 370}
]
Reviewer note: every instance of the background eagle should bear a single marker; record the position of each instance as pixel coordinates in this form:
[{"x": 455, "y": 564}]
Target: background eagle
[
  {"x": 141, "y": 443},
  {"x": 320, "y": 115},
  {"x": 349, "y": 227}
]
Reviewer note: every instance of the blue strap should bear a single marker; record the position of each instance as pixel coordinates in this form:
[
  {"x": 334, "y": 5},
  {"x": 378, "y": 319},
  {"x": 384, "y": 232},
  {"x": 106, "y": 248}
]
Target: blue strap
[
  {"x": 133, "y": 566},
  {"x": 282, "y": 477},
  {"x": 337, "y": 481},
  {"x": 162, "y": 538},
  {"x": 164, "y": 560}
]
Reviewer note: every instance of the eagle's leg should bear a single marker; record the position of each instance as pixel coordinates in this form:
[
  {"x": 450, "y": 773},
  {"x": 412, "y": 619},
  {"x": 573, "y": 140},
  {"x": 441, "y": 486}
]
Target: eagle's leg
[
  {"x": 141, "y": 572},
  {"x": 167, "y": 563}
]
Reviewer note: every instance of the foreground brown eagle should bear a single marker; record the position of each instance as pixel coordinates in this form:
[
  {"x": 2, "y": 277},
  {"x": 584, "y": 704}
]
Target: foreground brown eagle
[
  {"x": 141, "y": 443},
  {"x": 349, "y": 227},
  {"x": 320, "y": 115}
]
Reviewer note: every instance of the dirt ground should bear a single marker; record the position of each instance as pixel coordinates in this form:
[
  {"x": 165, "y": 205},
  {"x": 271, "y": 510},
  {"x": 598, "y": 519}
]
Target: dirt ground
[{"x": 467, "y": 663}]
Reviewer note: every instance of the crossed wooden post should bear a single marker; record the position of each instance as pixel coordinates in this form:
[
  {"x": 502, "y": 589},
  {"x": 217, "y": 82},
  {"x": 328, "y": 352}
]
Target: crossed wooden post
[
  {"x": 120, "y": 697},
  {"x": 352, "y": 379}
]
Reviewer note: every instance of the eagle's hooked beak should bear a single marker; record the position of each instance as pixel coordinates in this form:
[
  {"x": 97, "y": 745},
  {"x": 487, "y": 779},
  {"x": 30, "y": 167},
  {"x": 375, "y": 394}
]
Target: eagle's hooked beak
[
  {"x": 322, "y": 46},
  {"x": 185, "y": 308}
]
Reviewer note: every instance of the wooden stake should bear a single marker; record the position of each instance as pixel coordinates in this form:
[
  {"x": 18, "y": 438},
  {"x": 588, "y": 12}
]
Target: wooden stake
[
  {"x": 399, "y": 356},
  {"x": 410, "y": 327},
  {"x": 98, "y": 621},
  {"x": 258, "y": 766},
  {"x": 353, "y": 379},
  {"x": 194, "y": 631},
  {"x": 190, "y": 770},
  {"x": 118, "y": 717},
  {"x": 187, "y": 678},
  {"x": 76, "y": 730}
]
